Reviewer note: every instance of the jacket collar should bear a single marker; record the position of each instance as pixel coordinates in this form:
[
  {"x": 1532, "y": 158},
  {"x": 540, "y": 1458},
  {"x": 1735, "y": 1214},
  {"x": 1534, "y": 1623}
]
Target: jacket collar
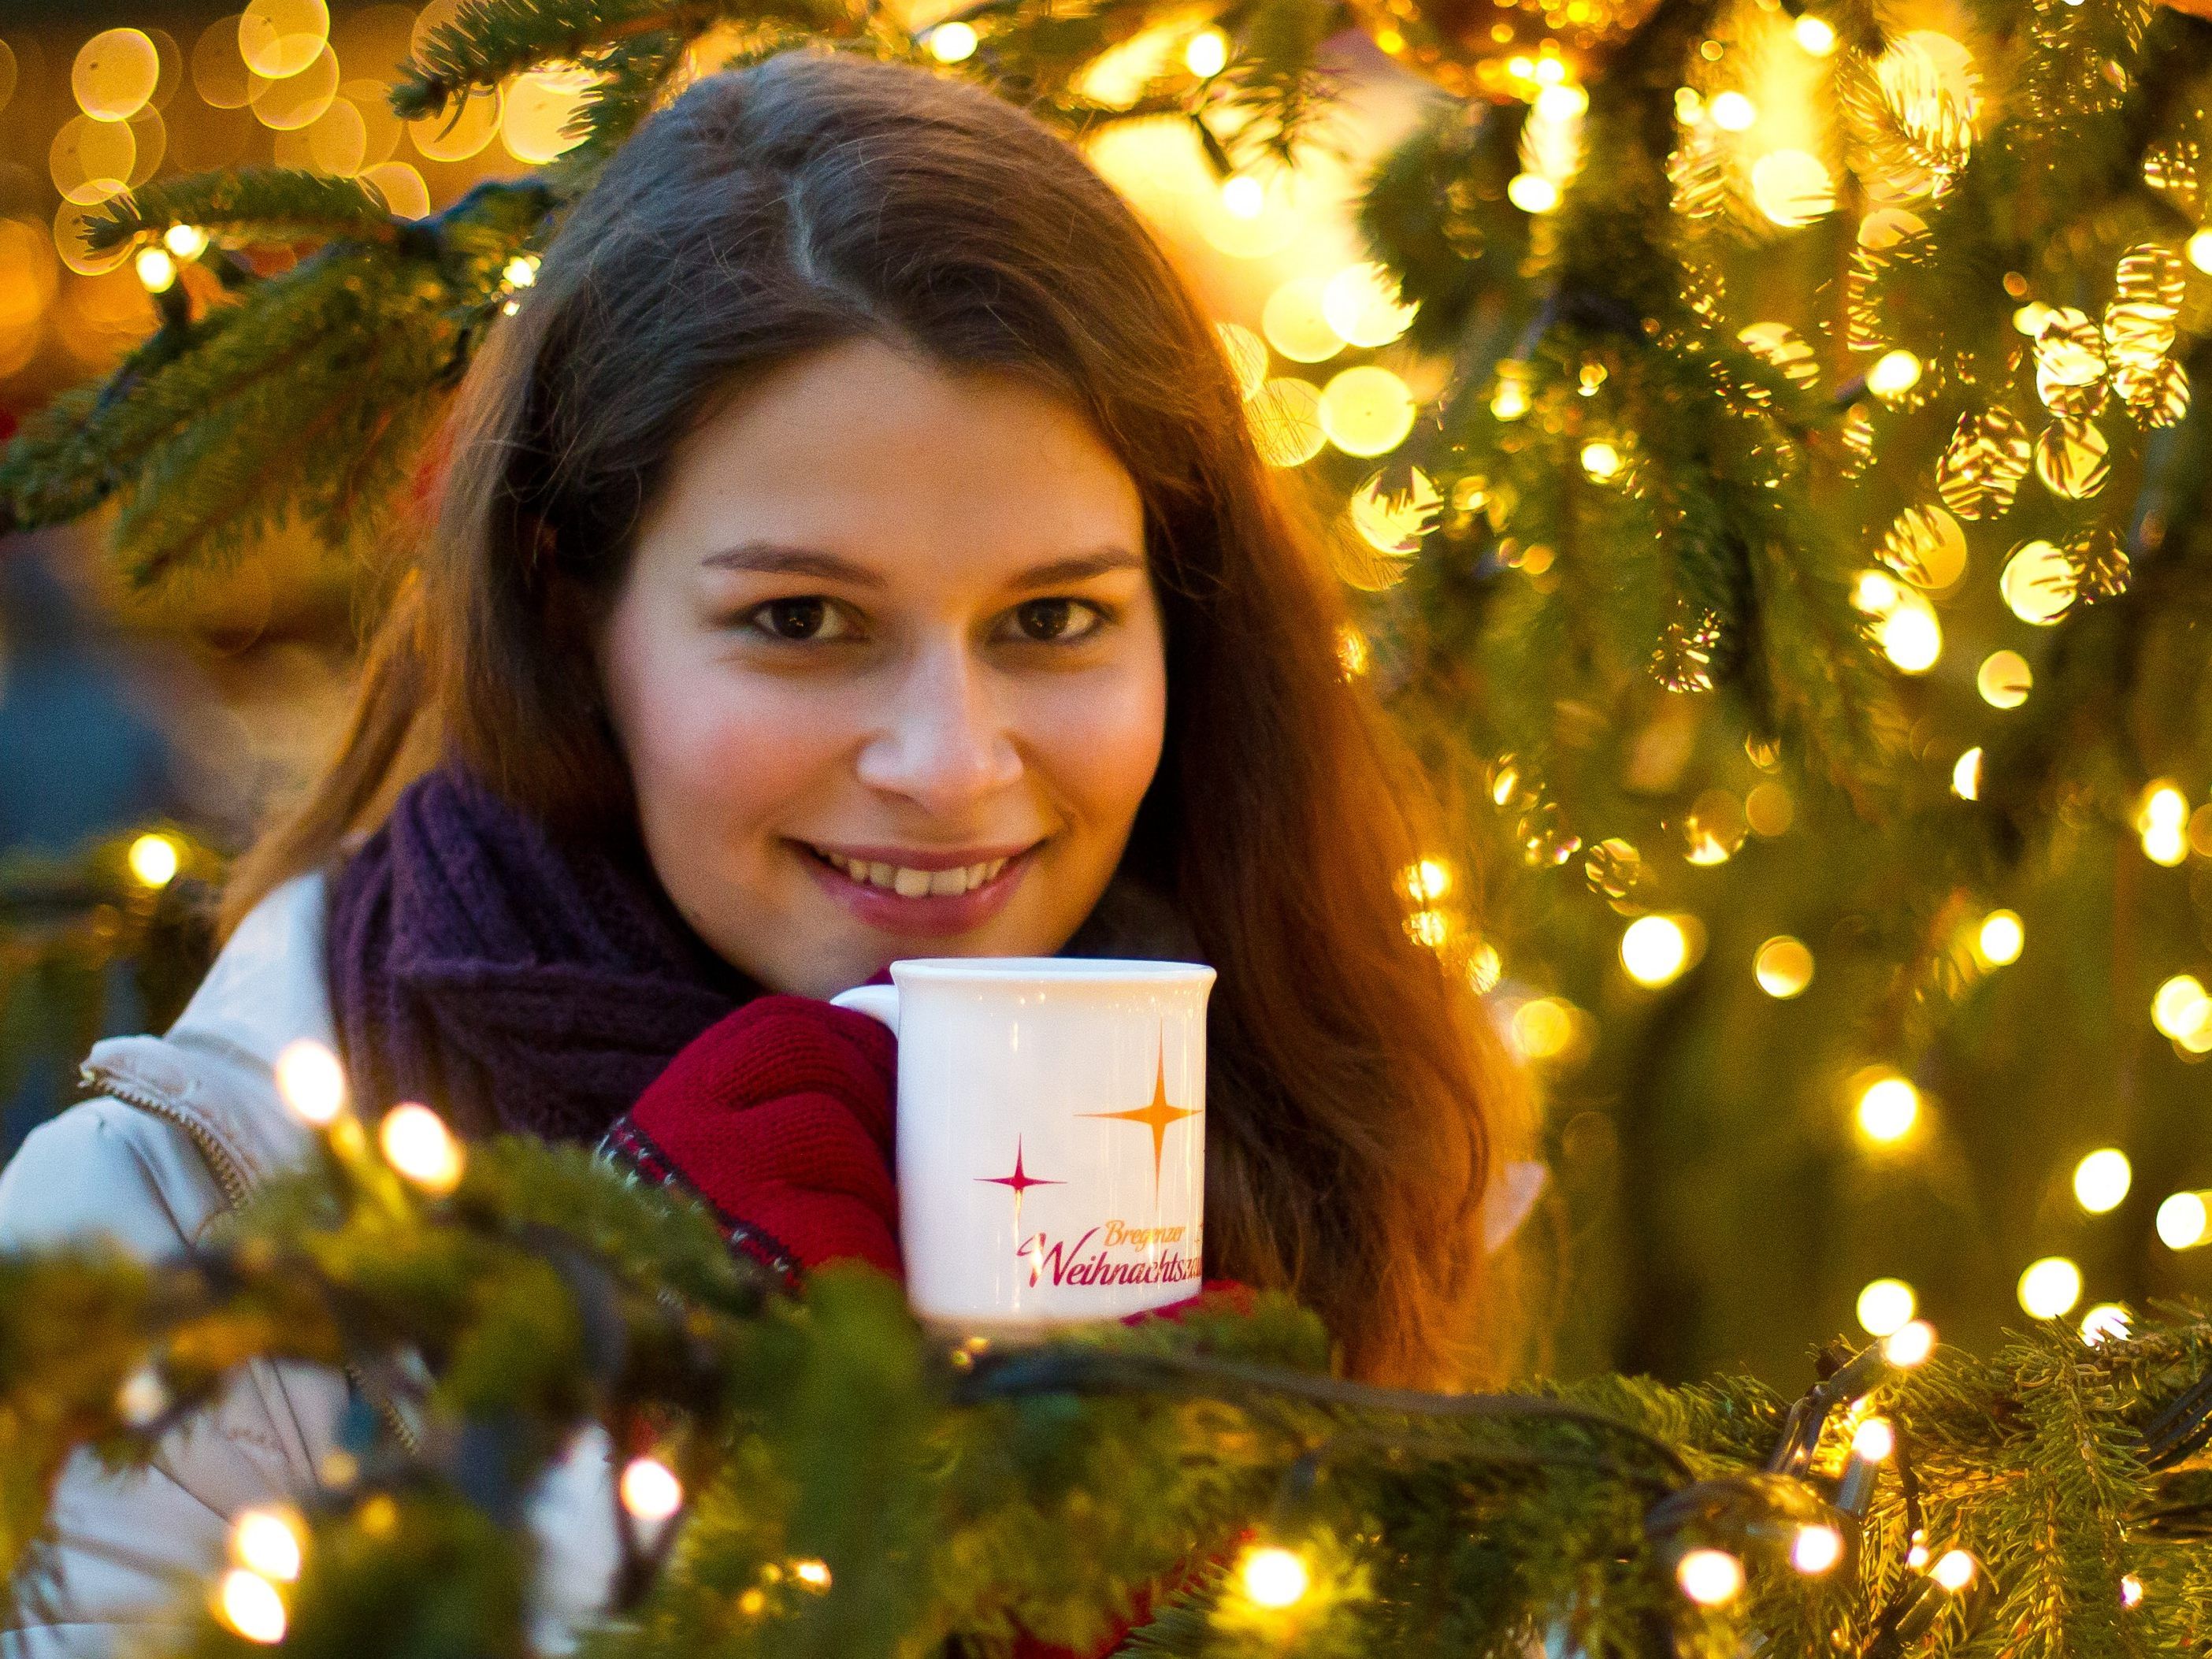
[{"x": 213, "y": 1072}]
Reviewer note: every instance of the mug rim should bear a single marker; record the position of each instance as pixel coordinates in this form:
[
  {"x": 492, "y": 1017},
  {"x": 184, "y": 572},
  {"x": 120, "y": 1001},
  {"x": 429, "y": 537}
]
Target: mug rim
[{"x": 1062, "y": 970}]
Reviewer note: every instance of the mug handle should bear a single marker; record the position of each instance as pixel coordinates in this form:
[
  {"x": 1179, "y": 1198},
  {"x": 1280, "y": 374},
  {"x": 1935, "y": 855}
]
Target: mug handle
[{"x": 878, "y": 1002}]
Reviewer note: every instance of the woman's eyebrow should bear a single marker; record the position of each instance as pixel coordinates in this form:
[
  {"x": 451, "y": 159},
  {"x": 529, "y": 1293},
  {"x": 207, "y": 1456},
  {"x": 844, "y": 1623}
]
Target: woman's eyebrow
[{"x": 775, "y": 559}]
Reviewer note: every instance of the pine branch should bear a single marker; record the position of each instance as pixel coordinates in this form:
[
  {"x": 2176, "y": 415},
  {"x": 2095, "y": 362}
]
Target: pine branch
[{"x": 251, "y": 206}]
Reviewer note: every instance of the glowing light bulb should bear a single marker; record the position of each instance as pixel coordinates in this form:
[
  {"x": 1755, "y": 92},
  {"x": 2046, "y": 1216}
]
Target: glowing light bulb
[
  {"x": 1909, "y": 1343},
  {"x": 185, "y": 241},
  {"x": 1911, "y": 638},
  {"x": 2199, "y": 250},
  {"x": 2180, "y": 1008},
  {"x": 1816, "y": 1548},
  {"x": 2105, "y": 1322},
  {"x": 2132, "y": 1588},
  {"x": 2050, "y": 1287},
  {"x": 1654, "y": 950},
  {"x": 249, "y": 1604},
  {"x": 1885, "y": 1306},
  {"x": 2162, "y": 821},
  {"x": 1561, "y": 102},
  {"x": 1273, "y": 1576},
  {"x": 156, "y": 270},
  {"x": 1205, "y": 54},
  {"x": 649, "y": 1489},
  {"x": 814, "y": 1575},
  {"x": 2101, "y": 1180},
  {"x": 1893, "y": 374},
  {"x": 1966, "y": 774},
  {"x": 1734, "y": 112},
  {"x": 2004, "y": 679},
  {"x": 1710, "y": 1577},
  {"x": 311, "y": 1081},
  {"x": 2000, "y": 940},
  {"x": 521, "y": 271},
  {"x": 154, "y": 860},
  {"x": 1532, "y": 192},
  {"x": 2181, "y": 1221},
  {"x": 265, "y": 1541},
  {"x": 1954, "y": 1571},
  {"x": 417, "y": 1144},
  {"x": 1243, "y": 196},
  {"x": 1784, "y": 968},
  {"x": 1888, "y": 1107},
  {"x": 952, "y": 43},
  {"x": 1875, "y": 1440},
  {"x": 1815, "y": 35},
  {"x": 1602, "y": 461}
]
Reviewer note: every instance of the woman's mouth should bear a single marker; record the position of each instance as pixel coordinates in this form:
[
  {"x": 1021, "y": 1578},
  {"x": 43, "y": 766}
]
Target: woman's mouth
[{"x": 908, "y": 892}]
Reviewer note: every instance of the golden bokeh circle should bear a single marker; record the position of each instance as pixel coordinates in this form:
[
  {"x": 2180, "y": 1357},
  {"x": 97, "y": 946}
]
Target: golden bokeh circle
[
  {"x": 1286, "y": 416},
  {"x": 534, "y": 122},
  {"x": 279, "y": 38},
  {"x": 1295, "y": 323},
  {"x": 401, "y": 186},
  {"x": 9, "y": 72},
  {"x": 337, "y": 140},
  {"x": 69, "y": 244},
  {"x": 460, "y": 131},
  {"x": 115, "y": 74},
  {"x": 380, "y": 128},
  {"x": 298, "y": 98},
  {"x": 218, "y": 74},
  {"x": 90, "y": 160},
  {"x": 1367, "y": 410}
]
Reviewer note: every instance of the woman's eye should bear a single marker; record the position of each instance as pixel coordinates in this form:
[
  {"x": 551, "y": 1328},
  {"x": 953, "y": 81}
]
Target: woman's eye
[
  {"x": 800, "y": 619},
  {"x": 1055, "y": 622}
]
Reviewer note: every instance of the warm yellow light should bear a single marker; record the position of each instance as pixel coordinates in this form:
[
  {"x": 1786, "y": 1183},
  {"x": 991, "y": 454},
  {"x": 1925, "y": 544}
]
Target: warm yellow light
[
  {"x": 2038, "y": 583},
  {"x": 1954, "y": 1571},
  {"x": 1602, "y": 461},
  {"x": 1783, "y": 967},
  {"x": 1888, "y": 1107},
  {"x": 1792, "y": 188},
  {"x": 2162, "y": 821},
  {"x": 1654, "y": 950},
  {"x": 249, "y": 1604},
  {"x": 2001, "y": 939},
  {"x": 2050, "y": 1287},
  {"x": 2132, "y": 1588},
  {"x": 814, "y": 1575},
  {"x": 157, "y": 271},
  {"x": 1509, "y": 402},
  {"x": 115, "y": 74},
  {"x": 1911, "y": 638},
  {"x": 1428, "y": 880},
  {"x": 1710, "y": 1577},
  {"x": 649, "y": 1489},
  {"x": 2105, "y": 1322},
  {"x": 2183, "y": 1220},
  {"x": 1362, "y": 306},
  {"x": 1966, "y": 774},
  {"x": 154, "y": 860},
  {"x": 1893, "y": 374},
  {"x": 1532, "y": 192},
  {"x": 1243, "y": 196},
  {"x": 417, "y": 1144},
  {"x": 2102, "y": 1179},
  {"x": 1296, "y": 321},
  {"x": 311, "y": 1081},
  {"x": 1366, "y": 411},
  {"x": 1886, "y": 1305},
  {"x": 2180, "y": 1008},
  {"x": 1734, "y": 112},
  {"x": 2199, "y": 249},
  {"x": 1248, "y": 356},
  {"x": 2029, "y": 318},
  {"x": 1542, "y": 1028},
  {"x": 1875, "y": 1440},
  {"x": 1816, "y": 1548},
  {"x": 265, "y": 1541},
  {"x": 2004, "y": 679},
  {"x": 952, "y": 43},
  {"x": 1909, "y": 1343},
  {"x": 1273, "y": 1576},
  {"x": 521, "y": 271},
  {"x": 185, "y": 241},
  {"x": 1286, "y": 417},
  {"x": 1815, "y": 35},
  {"x": 1205, "y": 54},
  {"x": 278, "y": 39}
]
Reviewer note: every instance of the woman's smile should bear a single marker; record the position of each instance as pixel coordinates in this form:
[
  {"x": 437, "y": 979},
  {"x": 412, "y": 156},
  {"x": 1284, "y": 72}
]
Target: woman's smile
[{"x": 916, "y": 891}]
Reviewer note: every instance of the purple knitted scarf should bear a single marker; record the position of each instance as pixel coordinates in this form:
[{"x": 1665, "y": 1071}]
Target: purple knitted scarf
[
  {"x": 513, "y": 982},
  {"x": 521, "y": 983}
]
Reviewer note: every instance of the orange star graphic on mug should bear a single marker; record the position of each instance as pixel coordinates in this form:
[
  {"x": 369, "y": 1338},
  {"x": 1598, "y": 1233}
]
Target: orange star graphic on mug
[{"x": 1157, "y": 1115}]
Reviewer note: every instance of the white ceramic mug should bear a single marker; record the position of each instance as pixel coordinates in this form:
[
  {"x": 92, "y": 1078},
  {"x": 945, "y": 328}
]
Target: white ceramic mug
[{"x": 1051, "y": 1136}]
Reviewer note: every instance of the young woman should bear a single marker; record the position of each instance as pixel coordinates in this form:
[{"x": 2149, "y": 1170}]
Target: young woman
[{"x": 852, "y": 550}]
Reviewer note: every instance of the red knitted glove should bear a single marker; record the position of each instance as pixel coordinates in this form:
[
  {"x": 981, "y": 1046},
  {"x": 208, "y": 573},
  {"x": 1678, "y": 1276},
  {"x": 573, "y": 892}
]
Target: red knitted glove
[{"x": 779, "y": 1116}]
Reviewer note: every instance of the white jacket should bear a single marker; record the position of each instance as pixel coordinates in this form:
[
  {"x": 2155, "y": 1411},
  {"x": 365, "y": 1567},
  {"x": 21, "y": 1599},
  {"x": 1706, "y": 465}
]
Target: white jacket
[{"x": 189, "y": 1124}]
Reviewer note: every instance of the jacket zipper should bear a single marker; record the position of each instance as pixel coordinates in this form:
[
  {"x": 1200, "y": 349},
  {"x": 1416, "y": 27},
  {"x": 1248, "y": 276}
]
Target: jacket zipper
[{"x": 230, "y": 1176}]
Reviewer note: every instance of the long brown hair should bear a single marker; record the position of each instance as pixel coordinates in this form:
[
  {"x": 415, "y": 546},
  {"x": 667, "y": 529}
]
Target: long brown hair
[{"x": 1357, "y": 1093}]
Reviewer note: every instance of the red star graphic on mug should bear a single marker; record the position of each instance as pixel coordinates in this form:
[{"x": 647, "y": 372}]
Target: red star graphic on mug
[
  {"x": 1020, "y": 1182},
  {"x": 1157, "y": 1115}
]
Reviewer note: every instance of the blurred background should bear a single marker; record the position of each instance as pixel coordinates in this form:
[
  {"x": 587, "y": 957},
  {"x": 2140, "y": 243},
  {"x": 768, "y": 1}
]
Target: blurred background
[{"x": 1744, "y": 1161}]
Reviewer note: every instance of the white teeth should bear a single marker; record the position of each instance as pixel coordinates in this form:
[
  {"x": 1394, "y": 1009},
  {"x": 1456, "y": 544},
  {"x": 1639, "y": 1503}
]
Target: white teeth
[{"x": 918, "y": 883}]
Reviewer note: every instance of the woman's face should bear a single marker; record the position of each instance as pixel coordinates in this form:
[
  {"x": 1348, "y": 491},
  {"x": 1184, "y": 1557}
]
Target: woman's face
[{"x": 888, "y": 670}]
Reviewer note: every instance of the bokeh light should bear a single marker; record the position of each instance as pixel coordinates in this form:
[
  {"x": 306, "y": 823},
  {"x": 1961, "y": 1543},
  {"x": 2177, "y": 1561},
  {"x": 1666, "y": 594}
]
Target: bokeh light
[
  {"x": 1885, "y": 1306},
  {"x": 1654, "y": 951},
  {"x": 1286, "y": 417},
  {"x": 2050, "y": 1287},
  {"x": 115, "y": 74},
  {"x": 2102, "y": 1179},
  {"x": 2183, "y": 1221},
  {"x": 279, "y": 38},
  {"x": 2000, "y": 940},
  {"x": 1783, "y": 966},
  {"x": 1888, "y": 1107},
  {"x": 1273, "y": 1576},
  {"x": 1366, "y": 411},
  {"x": 2004, "y": 679}
]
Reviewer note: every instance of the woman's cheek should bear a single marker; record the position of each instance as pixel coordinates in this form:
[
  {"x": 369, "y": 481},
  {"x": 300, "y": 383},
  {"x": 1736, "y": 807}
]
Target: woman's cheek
[
  {"x": 1098, "y": 740},
  {"x": 730, "y": 754}
]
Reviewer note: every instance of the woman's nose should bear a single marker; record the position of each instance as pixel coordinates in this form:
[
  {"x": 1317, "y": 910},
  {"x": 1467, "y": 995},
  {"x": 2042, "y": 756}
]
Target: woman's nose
[{"x": 941, "y": 741}]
